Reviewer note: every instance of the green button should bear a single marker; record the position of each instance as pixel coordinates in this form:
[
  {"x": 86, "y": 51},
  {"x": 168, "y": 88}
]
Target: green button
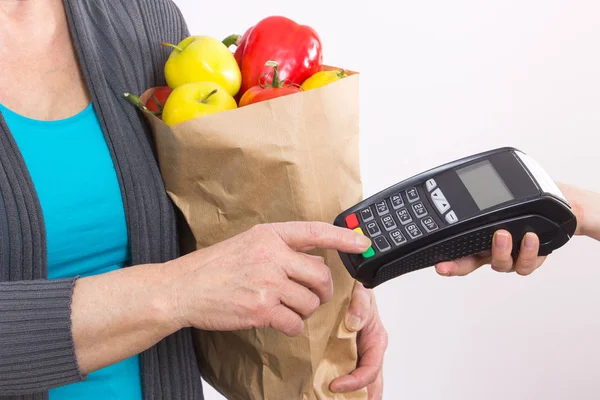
[{"x": 369, "y": 253}]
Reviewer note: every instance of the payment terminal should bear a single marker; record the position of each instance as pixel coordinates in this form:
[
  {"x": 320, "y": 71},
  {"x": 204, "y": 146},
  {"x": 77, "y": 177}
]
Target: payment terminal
[{"x": 452, "y": 211}]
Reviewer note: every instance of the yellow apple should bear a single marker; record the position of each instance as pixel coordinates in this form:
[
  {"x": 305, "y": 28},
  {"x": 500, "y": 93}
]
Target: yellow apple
[
  {"x": 194, "y": 100},
  {"x": 201, "y": 59}
]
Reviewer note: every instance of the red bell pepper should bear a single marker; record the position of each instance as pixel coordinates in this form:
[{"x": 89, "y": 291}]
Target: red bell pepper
[
  {"x": 296, "y": 48},
  {"x": 156, "y": 102},
  {"x": 267, "y": 91}
]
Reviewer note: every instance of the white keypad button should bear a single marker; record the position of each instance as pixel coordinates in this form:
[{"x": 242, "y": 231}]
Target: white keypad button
[
  {"x": 440, "y": 201},
  {"x": 451, "y": 217},
  {"x": 430, "y": 184}
]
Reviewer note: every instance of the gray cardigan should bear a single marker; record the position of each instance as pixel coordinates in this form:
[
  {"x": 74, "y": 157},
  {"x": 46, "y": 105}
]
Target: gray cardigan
[{"x": 118, "y": 46}]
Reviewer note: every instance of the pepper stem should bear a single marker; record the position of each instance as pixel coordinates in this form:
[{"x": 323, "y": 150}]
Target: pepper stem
[
  {"x": 205, "y": 100},
  {"x": 232, "y": 40},
  {"x": 138, "y": 103},
  {"x": 342, "y": 74},
  {"x": 160, "y": 106},
  {"x": 276, "y": 83},
  {"x": 172, "y": 45}
]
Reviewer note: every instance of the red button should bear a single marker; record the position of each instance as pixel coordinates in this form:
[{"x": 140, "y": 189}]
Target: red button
[{"x": 352, "y": 221}]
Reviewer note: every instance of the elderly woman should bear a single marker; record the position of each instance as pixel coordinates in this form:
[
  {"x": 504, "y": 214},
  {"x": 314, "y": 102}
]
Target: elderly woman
[
  {"x": 95, "y": 301},
  {"x": 81, "y": 198}
]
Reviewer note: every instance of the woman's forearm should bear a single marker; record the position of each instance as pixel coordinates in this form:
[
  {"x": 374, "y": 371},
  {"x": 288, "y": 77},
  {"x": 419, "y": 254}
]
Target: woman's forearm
[
  {"x": 586, "y": 206},
  {"x": 53, "y": 332},
  {"x": 591, "y": 214},
  {"x": 120, "y": 314}
]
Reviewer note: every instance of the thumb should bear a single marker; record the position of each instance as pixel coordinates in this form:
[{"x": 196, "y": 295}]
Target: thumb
[{"x": 359, "y": 310}]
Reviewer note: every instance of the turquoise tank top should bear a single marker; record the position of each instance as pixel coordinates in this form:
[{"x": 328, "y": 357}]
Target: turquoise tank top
[{"x": 86, "y": 232}]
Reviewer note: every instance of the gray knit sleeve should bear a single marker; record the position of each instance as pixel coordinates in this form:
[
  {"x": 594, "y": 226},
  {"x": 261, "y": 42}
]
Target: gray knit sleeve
[
  {"x": 164, "y": 22},
  {"x": 182, "y": 28},
  {"x": 36, "y": 344}
]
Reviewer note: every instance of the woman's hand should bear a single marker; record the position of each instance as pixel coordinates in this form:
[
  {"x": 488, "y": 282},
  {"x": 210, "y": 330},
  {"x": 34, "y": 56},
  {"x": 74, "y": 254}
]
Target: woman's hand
[
  {"x": 255, "y": 279},
  {"x": 260, "y": 278},
  {"x": 500, "y": 259},
  {"x": 586, "y": 207},
  {"x": 363, "y": 317}
]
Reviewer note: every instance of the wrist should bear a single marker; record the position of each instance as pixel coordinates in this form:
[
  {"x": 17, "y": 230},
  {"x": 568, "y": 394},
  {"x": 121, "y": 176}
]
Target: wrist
[
  {"x": 579, "y": 212},
  {"x": 590, "y": 211},
  {"x": 584, "y": 205},
  {"x": 165, "y": 302}
]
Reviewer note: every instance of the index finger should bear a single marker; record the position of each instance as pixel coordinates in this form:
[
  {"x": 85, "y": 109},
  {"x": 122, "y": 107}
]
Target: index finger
[{"x": 305, "y": 236}]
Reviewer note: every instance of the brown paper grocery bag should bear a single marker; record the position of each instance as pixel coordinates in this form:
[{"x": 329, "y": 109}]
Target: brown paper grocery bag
[{"x": 288, "y": 159}]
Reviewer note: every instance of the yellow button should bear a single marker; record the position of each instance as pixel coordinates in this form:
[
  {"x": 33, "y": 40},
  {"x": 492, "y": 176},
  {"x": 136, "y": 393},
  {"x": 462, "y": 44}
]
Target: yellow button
[{"x": 359, "y": 231}]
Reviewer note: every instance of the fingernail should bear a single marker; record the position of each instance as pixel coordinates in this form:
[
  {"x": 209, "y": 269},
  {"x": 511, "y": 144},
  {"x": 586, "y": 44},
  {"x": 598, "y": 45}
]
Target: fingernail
[
  {"x": 353, "y": 323},
  {"x": 444, "y": 271},
  {"x": 529, "y": 241},
  {"x": 363, "y": 242},
  {"x": 341, "y": 388},
  {"x": 501, "y": 241}
]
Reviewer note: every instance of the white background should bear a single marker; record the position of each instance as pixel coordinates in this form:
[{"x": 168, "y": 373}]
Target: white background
[{"x": 441, "y": 80}]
